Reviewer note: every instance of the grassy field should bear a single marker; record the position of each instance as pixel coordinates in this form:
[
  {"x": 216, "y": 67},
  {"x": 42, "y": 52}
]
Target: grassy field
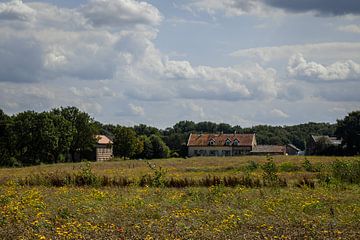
[{"x": 329, "y": 209}]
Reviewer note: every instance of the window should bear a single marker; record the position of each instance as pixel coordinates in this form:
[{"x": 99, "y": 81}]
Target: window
[
  {"x": 236, "y": 142},
  {"x": 212, "y": 142},
  {"x": 228, "y": 142}
]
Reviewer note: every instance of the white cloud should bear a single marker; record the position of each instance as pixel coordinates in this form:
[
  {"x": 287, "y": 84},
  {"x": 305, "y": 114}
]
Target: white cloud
[
  {"x": 16, "y": 10},
  {"x": 300, "y": 68},
  {"x": 137, "y": 110},
  {"x": 341, "y": 50},
  {"x": 102, "y": 91},
  {"x": 230, "y": 7},
  {"x": 353, "y": 28},
  {"x": 278, "y": 113},
  {"x": 117, "y": 13},
  {"x": 194, "y": 108}
]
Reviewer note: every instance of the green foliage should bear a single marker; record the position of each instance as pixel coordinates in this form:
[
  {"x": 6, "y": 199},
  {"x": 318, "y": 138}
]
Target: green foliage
[
  {"x": 86, "y": 176},
  {"x": 289, "y": 167},
  {"x": 82, "y": 130},
  {"x": 148, "y": 148},
  {"x": 160, "y": 150},
  {"x": 309, "y": 167},
  {"x": 348, "y": 172},
  {"x": 158, "y": 178},
  {"x": 270, "y": 170},
  {"x": 125, "y": 142},
  {"x": 251, "y": 166},
  {"x": 349, "y": 130}
]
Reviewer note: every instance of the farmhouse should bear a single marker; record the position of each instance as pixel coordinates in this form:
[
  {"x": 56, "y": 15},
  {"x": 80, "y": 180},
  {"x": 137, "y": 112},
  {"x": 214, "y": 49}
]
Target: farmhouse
[
  {"x": 104, "y": 148},
  {"x": 292, "y": 149},
  {"x": 220, "y": 144},
  {"x": 317, "y": 142},
  {"x": 269, "y": 150}
]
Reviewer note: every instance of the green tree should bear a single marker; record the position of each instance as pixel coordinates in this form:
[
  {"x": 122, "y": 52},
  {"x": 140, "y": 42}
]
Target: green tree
[
  {"x": 349, "y": 130},
  {"x": 83, "y": 130},
  {"x": 65, "y": 132},
  {"x": 24, "y": 129},
  {"x": 125, "y": 142},
  {"x": 7, "y": 142},
  {"x": 160, "y": 150},
  {"x": 148, "y": 147}
]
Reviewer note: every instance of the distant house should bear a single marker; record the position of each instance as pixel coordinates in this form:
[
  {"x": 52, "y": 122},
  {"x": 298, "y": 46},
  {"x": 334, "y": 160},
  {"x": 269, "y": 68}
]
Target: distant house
[
  {"x": 315, "y": 143},
  {"x": 104, "y": 148},
  {"x": 220, "y": 144},
  {"x": 269, "y": 150},
  {"x": 292, "y": 150}
]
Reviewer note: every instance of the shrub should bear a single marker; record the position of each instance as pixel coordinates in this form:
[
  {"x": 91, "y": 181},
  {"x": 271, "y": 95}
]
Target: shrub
[
  {"x": 307, "y": 165},
  {"x": 348, "y": 172},
  {"x": 251, "y": 166},
  {"x": 158, "y": 178},
  {"x": 270, "y": 176}
]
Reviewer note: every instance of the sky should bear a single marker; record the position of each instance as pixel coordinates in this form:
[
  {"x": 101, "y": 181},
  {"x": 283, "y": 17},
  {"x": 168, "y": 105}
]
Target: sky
[{"x": 157, "y": 62}]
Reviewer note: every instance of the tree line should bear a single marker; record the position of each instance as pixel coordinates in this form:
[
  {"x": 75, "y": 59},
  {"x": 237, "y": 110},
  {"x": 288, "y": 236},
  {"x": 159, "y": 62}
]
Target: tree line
[{"x": 68, "y": 135}]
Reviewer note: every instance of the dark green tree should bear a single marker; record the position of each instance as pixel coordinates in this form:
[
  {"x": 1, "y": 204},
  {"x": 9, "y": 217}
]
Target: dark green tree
[
  {"x": 147, "y": 152},
  {"x": 349, "y": 130},
  {"x": 160, "y": 150},
  {"x": 125, "y": 142},
  {"x": 83, "y": 129},
  {"x": 7, "y": 142},
  {"x": 25, "y": 139}
]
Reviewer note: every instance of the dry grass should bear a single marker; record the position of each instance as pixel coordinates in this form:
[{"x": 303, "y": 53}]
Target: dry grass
[
  {"x": 191, "y": 167},
  {"x": 215, "y": 212}
]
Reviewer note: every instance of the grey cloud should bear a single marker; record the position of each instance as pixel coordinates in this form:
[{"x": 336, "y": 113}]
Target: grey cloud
[
  {"x": 291, "y": 91},
  {"x": 266, "y": 7},
  {"x": 339, "y": 92},
  {"x": 322, "y": 7},
  {"x": 16, "y": 10},
  {"x": 20, "y": 59}
]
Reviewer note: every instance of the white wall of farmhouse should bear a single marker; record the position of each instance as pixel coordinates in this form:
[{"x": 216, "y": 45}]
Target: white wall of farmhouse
[
  {"x": 104, "y": 152},
  {"x": 218, "y": 150}
]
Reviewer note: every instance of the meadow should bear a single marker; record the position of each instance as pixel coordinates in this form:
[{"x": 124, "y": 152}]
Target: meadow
[{"x": 250, "y": 197}]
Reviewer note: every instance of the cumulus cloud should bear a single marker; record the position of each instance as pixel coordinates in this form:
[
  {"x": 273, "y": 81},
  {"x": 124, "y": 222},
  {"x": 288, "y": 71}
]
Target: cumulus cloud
[
  {"x": 180, "y": 79},
  {"x": 117, "y": 13},
  {"x": 343, "y": 50},
  {"x": 61, "y": 43},
  {"x": 16, "y": 10},
  {"x": 300, "y": 68}
]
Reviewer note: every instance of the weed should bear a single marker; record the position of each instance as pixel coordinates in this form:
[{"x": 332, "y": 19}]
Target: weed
[{"x": 289, "y": 167}]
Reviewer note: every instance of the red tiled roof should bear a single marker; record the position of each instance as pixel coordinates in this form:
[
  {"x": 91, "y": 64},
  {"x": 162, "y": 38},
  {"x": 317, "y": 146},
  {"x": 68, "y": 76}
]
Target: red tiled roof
[
  {"x": 219, "y": 139},
  {"x": 102, "y": 139}
]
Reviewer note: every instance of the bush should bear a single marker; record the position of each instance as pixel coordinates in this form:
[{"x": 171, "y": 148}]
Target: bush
[
  {"x": 251, "y": 166},
  {"x": 348, "y": 172},
  {"x": 270, "y": 176}
]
